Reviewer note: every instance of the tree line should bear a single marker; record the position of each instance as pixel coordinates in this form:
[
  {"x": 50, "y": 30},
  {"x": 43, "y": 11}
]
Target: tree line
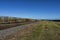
[{"x": 6, "y": 19}]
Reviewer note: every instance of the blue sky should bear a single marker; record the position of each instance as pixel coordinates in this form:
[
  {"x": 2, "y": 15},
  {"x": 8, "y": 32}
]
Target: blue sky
[{"x": 36, "y": 9}]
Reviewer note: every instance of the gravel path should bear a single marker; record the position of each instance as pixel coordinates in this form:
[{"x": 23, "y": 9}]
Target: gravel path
[{"x": 9, "y": 31}]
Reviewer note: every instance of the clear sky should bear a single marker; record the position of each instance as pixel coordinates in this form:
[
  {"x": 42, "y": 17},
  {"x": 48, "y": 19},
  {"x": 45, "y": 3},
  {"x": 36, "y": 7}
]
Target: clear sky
[{"x": 36, "y": 9}]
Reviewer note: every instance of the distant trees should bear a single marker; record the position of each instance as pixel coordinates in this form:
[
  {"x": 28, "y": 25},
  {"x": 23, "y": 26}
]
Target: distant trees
[
  {"x": 0, "y": 19},
  {"x": 12, "y": 20},
  {"x": 6, "y": 19},
  {"x": 3, "y": 19}
]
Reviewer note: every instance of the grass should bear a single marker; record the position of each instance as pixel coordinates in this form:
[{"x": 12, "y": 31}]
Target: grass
[
  {"x": 35, "y": 33},
  {"x": 45, "y": 31}
]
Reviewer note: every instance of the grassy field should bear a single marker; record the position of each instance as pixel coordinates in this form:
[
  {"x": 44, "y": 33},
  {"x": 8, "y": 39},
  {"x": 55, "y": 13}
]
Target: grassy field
[{"x": 44, "y": 30}]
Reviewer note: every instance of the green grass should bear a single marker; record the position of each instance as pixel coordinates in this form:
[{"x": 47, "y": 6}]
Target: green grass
[
  {"x": 45, "y": 31},
  {"x": 35, "y": 33}
]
